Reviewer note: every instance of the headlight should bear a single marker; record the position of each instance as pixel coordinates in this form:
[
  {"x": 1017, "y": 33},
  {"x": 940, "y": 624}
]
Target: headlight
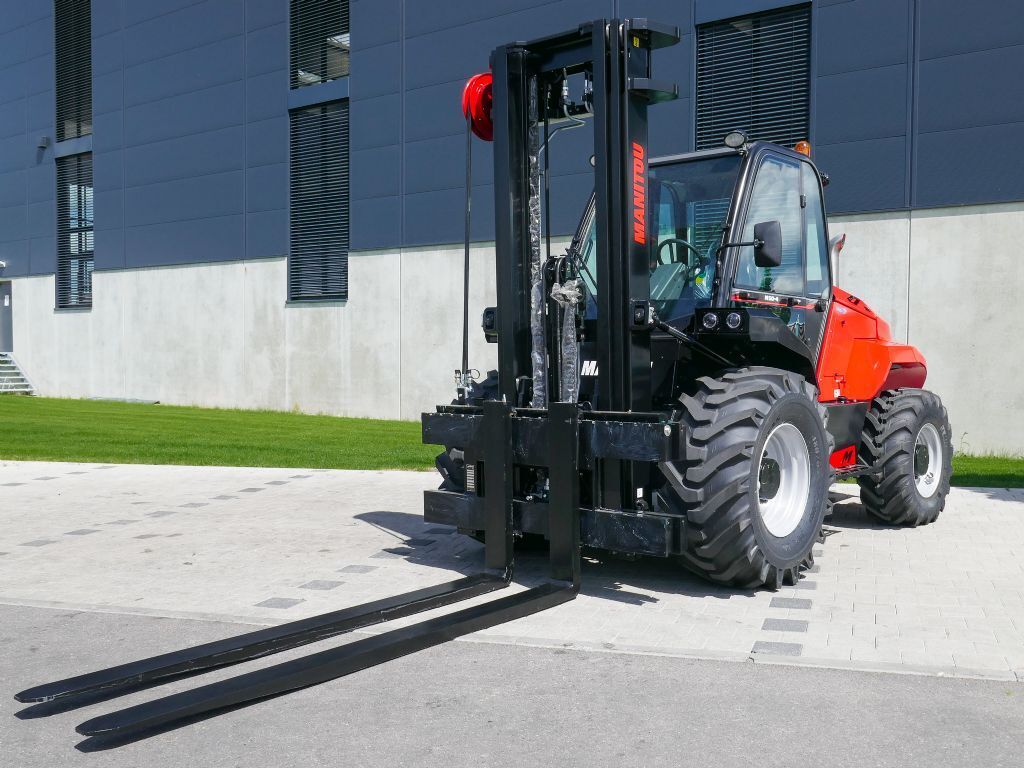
[
  {"x": 733, "y": 320},
  {"x": 710, "y": 321}
]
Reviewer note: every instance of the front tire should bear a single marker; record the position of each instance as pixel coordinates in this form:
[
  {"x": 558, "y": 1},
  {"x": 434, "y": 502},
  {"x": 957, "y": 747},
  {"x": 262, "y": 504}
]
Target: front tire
[
  {"x": 753, "y": 483},
  {"x": 908, "y": 442}
]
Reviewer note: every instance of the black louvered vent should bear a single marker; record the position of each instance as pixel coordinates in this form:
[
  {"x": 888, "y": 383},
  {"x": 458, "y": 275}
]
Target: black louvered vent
[
  {"x": 319, "y": 41},
  {"x": 753, "y": 74},
  {"x": 318, "y": 254},
  {"x": 73, "y": 46},
  {"x": 74, "y": 231}
]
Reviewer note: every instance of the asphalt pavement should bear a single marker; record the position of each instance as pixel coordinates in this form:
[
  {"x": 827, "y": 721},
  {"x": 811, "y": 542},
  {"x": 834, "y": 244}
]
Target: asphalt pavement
[{"x": 473, "y": 704}]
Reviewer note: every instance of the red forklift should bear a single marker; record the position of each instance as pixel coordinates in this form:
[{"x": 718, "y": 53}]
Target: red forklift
[{"x": 684, "y": 381}]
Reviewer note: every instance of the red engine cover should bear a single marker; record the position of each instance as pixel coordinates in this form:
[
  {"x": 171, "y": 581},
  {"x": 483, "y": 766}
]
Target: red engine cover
[{"x": 859, "y": 357}]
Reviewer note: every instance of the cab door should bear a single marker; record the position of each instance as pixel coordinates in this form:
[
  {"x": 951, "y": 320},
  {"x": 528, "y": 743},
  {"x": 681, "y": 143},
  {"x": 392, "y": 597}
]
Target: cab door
[{"x": 786, "y": 190}]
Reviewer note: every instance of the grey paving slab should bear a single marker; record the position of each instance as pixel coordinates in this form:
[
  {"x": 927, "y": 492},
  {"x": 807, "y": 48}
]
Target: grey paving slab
[
  {"x": 279, "y": 602},
  {"x": 798, "y": 603},
  {"x": 944, "y": 598},
  {"x": 321, "y": 584},
  {"x": 777, "y": 649},
  {"x": 785, "y": 625}
]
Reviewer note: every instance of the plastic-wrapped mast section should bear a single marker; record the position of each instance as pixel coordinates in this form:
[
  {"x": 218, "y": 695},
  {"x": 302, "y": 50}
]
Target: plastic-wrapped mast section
[
  {"x": 569, "y": 295},
  {"x": 538, "y": 347}
]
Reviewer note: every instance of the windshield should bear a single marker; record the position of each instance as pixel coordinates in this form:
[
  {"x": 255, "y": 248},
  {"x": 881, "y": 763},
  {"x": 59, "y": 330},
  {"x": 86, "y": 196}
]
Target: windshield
[{"x": 688, "y": 204}]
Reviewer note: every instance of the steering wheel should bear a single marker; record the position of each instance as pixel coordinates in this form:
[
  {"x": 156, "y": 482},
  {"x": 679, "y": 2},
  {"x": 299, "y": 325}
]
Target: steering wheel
[
  {"x": 689, "y": 273},
  {"x": 680, "y": 241}
]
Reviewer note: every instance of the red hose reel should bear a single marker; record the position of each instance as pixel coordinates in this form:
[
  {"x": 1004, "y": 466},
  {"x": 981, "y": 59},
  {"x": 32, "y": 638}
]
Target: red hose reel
[{"x": 476, "y": 105}]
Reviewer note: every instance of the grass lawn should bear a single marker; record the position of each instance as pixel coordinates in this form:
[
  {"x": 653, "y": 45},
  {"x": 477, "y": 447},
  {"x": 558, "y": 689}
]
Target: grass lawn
[{"x": 36, "y": 428}]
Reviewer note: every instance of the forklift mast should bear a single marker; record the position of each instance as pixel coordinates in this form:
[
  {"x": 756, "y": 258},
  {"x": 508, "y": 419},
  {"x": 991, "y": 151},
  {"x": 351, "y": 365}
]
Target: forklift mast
[{"x": 615, "y": 58}]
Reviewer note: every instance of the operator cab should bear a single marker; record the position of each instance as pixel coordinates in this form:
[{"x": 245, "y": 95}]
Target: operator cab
[{"x": 703, "y": 208}]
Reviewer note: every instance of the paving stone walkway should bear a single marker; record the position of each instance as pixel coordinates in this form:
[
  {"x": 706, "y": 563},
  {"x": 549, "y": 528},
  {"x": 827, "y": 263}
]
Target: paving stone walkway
[{"x": 270, "y": 545}]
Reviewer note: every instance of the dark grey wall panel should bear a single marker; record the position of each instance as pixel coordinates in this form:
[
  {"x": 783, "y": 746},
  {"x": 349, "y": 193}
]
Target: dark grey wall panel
[
  {"x": 842, "y": 31},
  {"x": 27, "y": 180},
  {"x": 949, "y": 27},
  {"x": 185, "y": 157},
  {"x": 196, "y": 69},
  {"x": 867, "y": 175},
  {"x": 167, "y": 34},
  {"x": 717, "y": 10},
  {"x": 266, "y": 188},
  {"x": 378, "y": 170},
  {"x": 424, "y": 16},
  {"x": 266, "y": 234},
  {"x": 377, "y": 122},
  {"x": 383, "y": 65},
  {"x": 266, "y": 141},
  {"x": 865, "y": 104},
  {"x": 376, "y": 22},
  {"x": 176, "y": 242},
  {"x": 380, "y": 220},
  {"x": 972, "y": 89},
  {"x": 970, "y": 165},
  {"x": 264, "y": 13}
]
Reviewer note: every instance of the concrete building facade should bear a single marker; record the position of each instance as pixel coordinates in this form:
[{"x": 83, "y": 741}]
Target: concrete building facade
[{"x": 195, "y": 195}]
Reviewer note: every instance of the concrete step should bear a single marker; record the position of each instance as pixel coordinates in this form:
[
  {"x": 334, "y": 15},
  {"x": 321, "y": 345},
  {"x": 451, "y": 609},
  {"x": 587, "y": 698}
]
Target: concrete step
[{"x": 12, "y": 380}]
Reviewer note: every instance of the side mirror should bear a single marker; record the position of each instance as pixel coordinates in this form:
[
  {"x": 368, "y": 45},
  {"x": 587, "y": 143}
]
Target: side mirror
[{"x": 767, "y": 244}]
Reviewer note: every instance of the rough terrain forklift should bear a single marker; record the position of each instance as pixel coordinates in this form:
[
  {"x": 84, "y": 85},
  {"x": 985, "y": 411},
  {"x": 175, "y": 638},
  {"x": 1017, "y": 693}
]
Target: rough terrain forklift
[
  {"x": 719, "y": 379},
  {"x": 683, "y": 381}
]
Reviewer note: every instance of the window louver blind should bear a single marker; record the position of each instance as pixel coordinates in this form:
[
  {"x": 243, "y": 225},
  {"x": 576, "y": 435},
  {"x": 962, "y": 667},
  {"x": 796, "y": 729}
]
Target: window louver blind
[
  {"x": 73, "y": 47},
  {"x": 753, "y": 74},
  {"x": 319, "y": 41},
  {"x": 318, "y": 253},
  {"x": 74, "y": 231}
]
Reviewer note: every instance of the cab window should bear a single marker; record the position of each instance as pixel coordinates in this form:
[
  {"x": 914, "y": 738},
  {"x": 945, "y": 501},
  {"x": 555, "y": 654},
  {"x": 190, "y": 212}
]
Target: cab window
[
  {"x": 775, "y": 196},
  {"x": 817, "y": 241}
]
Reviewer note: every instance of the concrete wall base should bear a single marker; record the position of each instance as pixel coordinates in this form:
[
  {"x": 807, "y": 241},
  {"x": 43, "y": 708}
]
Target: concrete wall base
[{"x": 947, "y": 280}]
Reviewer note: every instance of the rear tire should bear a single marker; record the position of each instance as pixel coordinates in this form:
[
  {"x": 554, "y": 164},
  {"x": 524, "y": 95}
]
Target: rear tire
[
  {"x": 753, "y": 483},
  {"x": 907, "y": 438}
]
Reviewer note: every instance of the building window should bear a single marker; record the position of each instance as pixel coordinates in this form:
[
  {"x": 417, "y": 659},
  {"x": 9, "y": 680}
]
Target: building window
[
  {"x": 74, "y": 231},
  {"x": 319, "y": 41},
  {"x": 753, "y": 74},
  {"x": 318, "y": 252},
  {"x": 73, "y": 48}
]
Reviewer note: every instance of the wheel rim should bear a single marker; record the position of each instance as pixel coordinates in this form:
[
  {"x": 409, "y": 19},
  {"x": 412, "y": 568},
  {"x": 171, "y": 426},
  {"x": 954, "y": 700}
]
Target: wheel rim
[
  {"x": 783, "y": 480},
  {"x": 927, "y": 460}
]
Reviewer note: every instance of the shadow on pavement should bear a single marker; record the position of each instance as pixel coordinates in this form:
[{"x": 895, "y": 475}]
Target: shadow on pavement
[{"x": 604, "y": 575}]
